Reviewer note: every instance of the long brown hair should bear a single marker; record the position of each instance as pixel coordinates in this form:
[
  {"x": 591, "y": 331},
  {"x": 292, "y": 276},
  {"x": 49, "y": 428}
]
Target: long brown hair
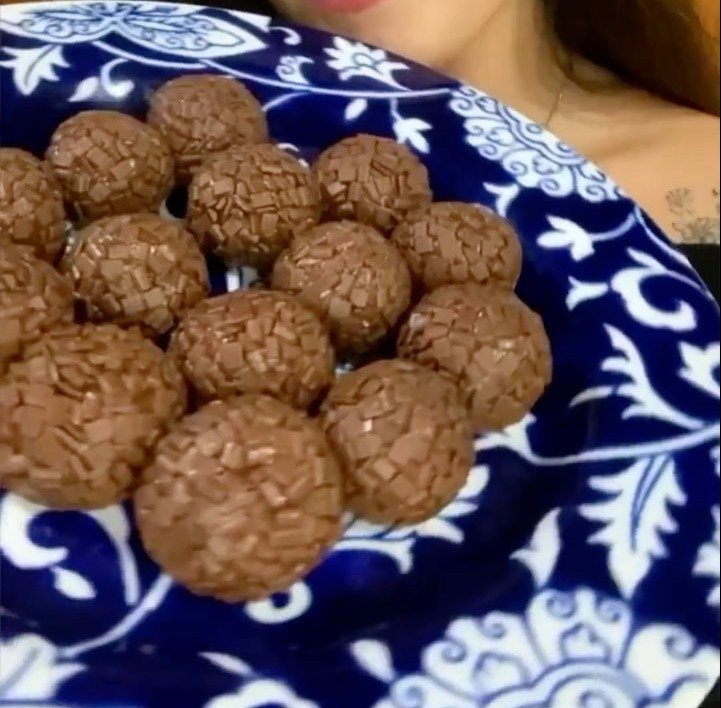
[{"x": 661, "y": 46}]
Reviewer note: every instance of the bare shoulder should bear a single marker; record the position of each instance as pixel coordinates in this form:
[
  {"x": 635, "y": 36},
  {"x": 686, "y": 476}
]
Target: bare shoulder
[{"x": 672, "y": 171}]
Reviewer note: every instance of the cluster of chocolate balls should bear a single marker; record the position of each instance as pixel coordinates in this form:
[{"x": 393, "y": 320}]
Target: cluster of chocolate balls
[{"x": 238, "y": 443}]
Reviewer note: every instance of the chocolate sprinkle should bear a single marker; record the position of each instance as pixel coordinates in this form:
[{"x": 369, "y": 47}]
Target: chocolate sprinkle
[
  {"x": 351, "y": 277},
  {"x": 242, "y": 500},
  {"x": 255, "y": 342},
  {"x": 403, "y": 438},
  {"x": 80, "y": 413},
  {"x": 109, "y": 163},
  {"x": 31, "y": 205},
  {"x": 452, "y": 242},
  {"x": 491, "y": 343},
  {"x": 247, "y": 204},
  {"x": 203, "y": 114},
  {"x": 138, "y": 269},
  {"x": 371, "y": 180},
  {"x": 33, "y": 299}
]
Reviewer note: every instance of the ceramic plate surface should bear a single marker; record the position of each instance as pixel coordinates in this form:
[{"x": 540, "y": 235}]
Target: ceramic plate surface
[{"x": 578, "y": 568}]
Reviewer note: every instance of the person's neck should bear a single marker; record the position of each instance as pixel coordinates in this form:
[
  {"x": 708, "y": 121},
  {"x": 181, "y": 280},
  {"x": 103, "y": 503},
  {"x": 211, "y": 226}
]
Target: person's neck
[{"x": 513, "y": 58}]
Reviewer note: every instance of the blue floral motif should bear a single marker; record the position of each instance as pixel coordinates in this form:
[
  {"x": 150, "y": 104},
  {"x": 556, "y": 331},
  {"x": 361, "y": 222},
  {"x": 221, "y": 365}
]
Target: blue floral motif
[
  {"x": 31, "y": 670},
  {"x": 575, "y": 649},
  {"x": 614, "y": 600},
  {"x": 183, "y": 31},
  {"x": 579, "y": 648},
  {"x": 254, "y": 691},
  {"x": 353, "y": 59},
  {"x": 531, "y": 156}
]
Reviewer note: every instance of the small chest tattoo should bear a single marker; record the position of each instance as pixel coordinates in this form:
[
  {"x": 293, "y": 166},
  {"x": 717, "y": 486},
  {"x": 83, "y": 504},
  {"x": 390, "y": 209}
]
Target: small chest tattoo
[{"x": 695, "y": 224}]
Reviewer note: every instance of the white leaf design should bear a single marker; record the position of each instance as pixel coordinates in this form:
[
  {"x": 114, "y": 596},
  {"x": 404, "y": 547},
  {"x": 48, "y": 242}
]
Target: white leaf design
[
  {"x": 636, "y": 387},
  {"x": 592, "y": 394},
  {"x": 569, "y": 235},
  {"x": 72, "y": 584},
  {"x": 30, "y": 669},
  {"x": 701, "y": 367},
  {"x": 635, "y": 516},
  {"x": 541, "y": 554},
  {"x": 375, "y": 658},
  {"x": 32, "y": 65},
  {"x": 629, "y": 283},
  {"x": 355, "y": 109},
  {"x": 261, "y": 693},
  {"x": 580, "y": 243},
  {"x": 581, "y": 292},
  {"x": 353, "y": 59},
  {"x": 116, "y": 89},
  {"x": 228, "y": 663},
  {"x": 708, "y": 562},
  {"x": 85, "y": 89},
  {"x": 410, "y": 131},
  {"x": 398, "y": 542},
  {"x": 505, "y": 194}
]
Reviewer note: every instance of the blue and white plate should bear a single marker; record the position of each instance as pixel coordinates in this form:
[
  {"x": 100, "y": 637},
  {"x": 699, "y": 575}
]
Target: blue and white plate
[{"x": 579, "y": 567}]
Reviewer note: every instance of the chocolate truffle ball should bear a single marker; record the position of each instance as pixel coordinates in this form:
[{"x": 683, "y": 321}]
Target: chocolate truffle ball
[
  {"x": 255, "y": 341},
  {"x": 247, "y": 203},
  {"x": 31, "y": 205},
  {"x": 452, "y": 242},
  {"x": 373, "y": 180},
  {"x": 109, "y": 163},
  {"x": 403, "y": 438},
  {"x": 34, "y": 298},
  {"x": 137, "y": 269},
  {"x": 203, "y": 114},
  {"x": 351, "y": 277},
  {"x": 80, "y": 413},
  {"x": 493, "y": 346},
  {"x": 242, "y": 500}
]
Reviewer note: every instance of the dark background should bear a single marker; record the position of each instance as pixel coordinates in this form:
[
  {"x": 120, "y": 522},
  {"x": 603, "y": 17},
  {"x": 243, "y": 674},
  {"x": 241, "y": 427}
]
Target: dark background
[{"x": 704, "y": 258}]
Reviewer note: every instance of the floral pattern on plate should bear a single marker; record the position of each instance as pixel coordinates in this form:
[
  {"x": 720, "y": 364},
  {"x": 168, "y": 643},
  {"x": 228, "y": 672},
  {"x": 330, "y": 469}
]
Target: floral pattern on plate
[{"x": 580, "y": 564}]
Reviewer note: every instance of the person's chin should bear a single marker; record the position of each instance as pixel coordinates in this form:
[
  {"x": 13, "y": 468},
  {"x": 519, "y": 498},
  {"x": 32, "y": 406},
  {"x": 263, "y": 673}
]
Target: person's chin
[{"x": 350, "y": 17}]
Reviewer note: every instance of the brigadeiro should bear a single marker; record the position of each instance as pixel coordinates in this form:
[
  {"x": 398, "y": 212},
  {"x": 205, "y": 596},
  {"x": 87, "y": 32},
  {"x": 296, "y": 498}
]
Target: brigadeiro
[
  {"x": 203, "y": 114},
  {"x": 403, "y": 438},
  {"x": 453, "y": 242},
  {"x": 351, "y": 277},
  {"x": 247, "y": 203},
  {"x": 242, "y": 500},
  {"x": 109, "y": 163},
  {"x": 490, "y": 342},
  {"x": 31, "y": 205},
  {"x": 137, "y": 269},
  {"x": 80, "y": 413},
  {"x": 373, "y": 180},
  {"x": 34, "y": 298},
  {"x": 255, "y": 341}
]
